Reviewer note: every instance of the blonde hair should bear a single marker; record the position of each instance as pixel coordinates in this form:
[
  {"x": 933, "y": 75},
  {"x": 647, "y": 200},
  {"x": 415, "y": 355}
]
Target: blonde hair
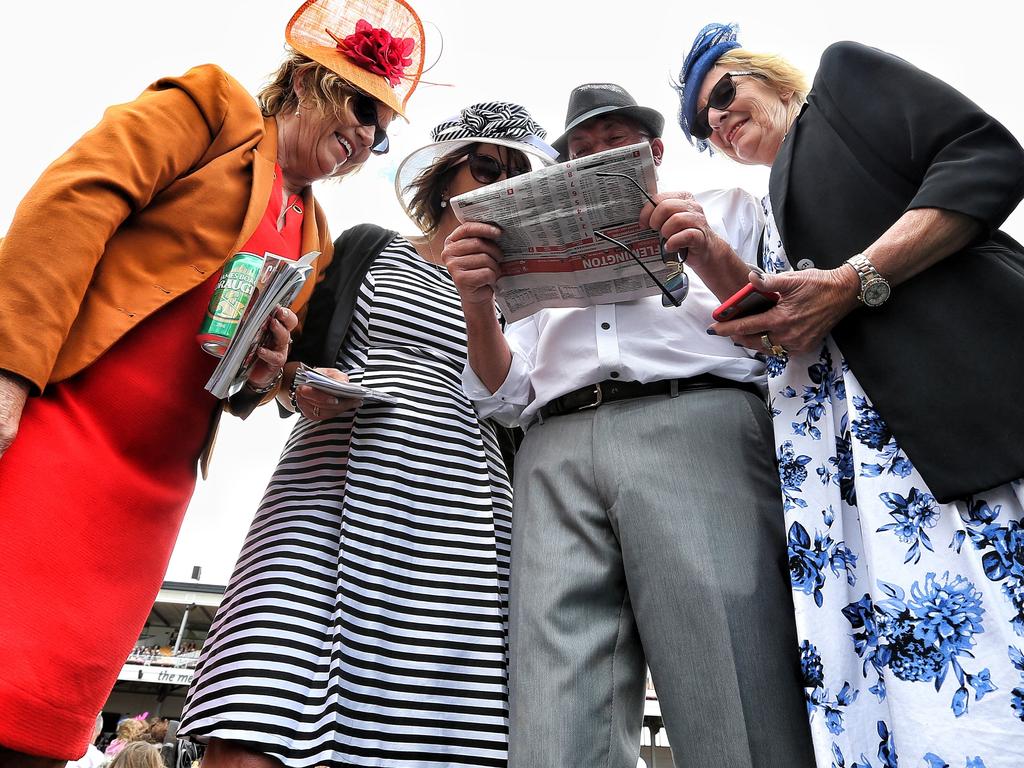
[
  {"x": 132, "y": 730},
  {"x": 775, "y": 70},
  {"x": 321, "y": 87},
  {"x": 138, "y": 754}
]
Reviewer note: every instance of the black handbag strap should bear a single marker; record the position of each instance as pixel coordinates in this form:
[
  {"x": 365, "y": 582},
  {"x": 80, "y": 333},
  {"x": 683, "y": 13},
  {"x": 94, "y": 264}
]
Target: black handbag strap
[{"x": 333, "y": 302}]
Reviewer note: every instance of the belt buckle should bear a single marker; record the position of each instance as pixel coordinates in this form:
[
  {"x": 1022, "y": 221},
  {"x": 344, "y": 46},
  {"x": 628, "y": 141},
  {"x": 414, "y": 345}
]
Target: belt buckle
[{"x": 598, "y": 398}]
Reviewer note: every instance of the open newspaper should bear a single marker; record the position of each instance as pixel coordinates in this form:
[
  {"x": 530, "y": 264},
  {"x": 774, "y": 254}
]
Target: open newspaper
[
  {"x": 341, "y": 389},
  {"x": 279, "y": 283},
  {"x": 548, "y": 218}
]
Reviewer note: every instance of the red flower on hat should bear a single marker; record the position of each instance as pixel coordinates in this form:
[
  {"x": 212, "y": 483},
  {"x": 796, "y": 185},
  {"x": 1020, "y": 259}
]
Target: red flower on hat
[{"x": 374, "y": 49}]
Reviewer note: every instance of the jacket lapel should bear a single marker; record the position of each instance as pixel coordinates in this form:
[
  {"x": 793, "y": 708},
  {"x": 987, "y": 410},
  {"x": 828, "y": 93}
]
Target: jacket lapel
[
  {"x": 778, "y": 182},
  {"x": 263, "y": 162}
]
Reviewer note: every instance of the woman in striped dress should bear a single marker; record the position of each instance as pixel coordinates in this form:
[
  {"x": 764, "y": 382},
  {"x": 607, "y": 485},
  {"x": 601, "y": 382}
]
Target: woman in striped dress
[{"x": 365, "y": 623}]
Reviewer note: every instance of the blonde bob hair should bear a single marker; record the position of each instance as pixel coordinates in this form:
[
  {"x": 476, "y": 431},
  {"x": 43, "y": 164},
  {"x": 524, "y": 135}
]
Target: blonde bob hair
[{"x": 775, "y": 70}]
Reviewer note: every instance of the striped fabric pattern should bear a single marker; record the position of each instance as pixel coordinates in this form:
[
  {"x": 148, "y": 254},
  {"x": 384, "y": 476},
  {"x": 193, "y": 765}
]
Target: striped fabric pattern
[
  {"x": 366, "y": 620},
  {"x": 489, "y": 120}
]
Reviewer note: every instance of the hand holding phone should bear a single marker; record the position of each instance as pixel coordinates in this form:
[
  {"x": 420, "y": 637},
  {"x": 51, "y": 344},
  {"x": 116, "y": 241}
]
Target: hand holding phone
[{"x": 746, "y": 301}]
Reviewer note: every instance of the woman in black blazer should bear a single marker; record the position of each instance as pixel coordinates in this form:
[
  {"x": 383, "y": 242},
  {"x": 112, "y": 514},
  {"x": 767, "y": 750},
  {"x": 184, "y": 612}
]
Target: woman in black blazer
[{"x": 895, "y": 356}]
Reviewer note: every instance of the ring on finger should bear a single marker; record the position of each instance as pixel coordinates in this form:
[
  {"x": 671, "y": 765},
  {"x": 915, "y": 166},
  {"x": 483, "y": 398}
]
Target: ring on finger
[{"x": 775, "y": 349}]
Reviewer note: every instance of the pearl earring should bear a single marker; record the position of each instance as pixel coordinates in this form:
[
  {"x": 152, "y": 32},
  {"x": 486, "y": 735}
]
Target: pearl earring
[
  {"x": 297, "y": 113},
  {"x": 444, "y": 203}
]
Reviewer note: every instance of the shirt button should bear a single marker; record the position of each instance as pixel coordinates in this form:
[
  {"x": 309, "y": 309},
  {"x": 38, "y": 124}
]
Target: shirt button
[
  {"x": 804, "y": 264},
  {"x": 605, "y": 326},
  {"x": 614, "y": 374}
]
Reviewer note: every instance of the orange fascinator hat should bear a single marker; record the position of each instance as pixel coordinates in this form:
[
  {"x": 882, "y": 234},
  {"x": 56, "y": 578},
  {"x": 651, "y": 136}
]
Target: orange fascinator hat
[{"x": 377, "y": 45}]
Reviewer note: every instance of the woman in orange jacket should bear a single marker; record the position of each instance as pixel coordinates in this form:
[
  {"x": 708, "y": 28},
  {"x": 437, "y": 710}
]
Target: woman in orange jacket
[{"x": 108, "y": 268}]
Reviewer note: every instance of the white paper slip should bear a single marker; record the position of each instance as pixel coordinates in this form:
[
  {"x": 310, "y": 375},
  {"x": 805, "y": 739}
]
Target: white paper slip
[{"x": 343, "y": 389}]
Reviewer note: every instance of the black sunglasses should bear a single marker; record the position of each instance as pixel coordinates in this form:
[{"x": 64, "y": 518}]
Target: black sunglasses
[
  {"x": 721, "y": 97},
  {"x": 675, "y": 288},
  {"x": 365, "y": 110},
  {"x": 487, "y": 169}
]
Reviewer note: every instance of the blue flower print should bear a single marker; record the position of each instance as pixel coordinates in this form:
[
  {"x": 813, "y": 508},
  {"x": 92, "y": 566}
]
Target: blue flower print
[
  {"x": 949, "y": 613},
  {"x": 1005, "y": 563},
  {"x": 934, "y": 761},
  {"x": 871, "y": 430},
  {"x": 886, "y": 747},
  {"x": 826, "y": 385},
  {"x": 912, "y": 515},
  {"x": 920, "y": 640},
  {"x": 807, "y": 562},
  {"x": 792, "y": 473},
  {"x": 811, "y": 669},
  {"x": 838, "y": 761},
  {"x": 839, "y": 468},
  {"x": 817, "y": 695},
  {"x": 1017, "y": 695},
  {"x": 772, "y": 255},
  {"x": 774, "y": 366}
]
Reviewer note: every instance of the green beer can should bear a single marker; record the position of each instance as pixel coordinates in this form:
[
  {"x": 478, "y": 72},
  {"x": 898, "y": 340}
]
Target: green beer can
[{"x": 230, "y": 298}]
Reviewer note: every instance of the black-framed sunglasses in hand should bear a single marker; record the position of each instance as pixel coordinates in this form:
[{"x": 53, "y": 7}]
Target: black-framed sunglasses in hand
[{"x": 677, "y": 284}]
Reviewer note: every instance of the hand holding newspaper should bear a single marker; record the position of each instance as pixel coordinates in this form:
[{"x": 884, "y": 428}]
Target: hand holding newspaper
[
  {"x": 341, "y": 389},
  {"x": 279, "y": 283},
  {"x": 552, "y": 257}
]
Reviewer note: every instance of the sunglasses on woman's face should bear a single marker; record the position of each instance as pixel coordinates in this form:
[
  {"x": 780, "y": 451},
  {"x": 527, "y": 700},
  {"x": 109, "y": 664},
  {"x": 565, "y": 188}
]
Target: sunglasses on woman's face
[
  {"x": 487, "y": 169},
  {"x": 721, "y": 96},
  {"x": 365, "y": 110}
]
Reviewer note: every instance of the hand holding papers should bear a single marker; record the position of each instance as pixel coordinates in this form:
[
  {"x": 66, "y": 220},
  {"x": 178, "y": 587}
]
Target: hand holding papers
[
  {"x": 304, "y": 375},
  {"x": 552, "y": 254},
  {"x": 278, "y": 284}
]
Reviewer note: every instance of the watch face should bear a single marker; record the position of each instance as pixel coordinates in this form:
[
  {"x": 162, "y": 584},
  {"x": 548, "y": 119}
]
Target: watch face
[{"x": 876, "y": 292}]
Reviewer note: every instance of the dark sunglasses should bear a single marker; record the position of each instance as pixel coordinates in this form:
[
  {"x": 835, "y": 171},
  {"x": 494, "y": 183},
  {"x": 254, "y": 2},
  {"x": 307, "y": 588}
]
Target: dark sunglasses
[
  {"x": 365, "y": 110},
  {"x": 721, "y": 97},
  {"x": 488, "y": 169},
  {"x": 677, "y": 285}
]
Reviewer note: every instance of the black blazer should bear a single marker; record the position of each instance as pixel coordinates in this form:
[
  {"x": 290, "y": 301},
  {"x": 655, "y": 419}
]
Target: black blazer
[{"x": 943, "y": 359}]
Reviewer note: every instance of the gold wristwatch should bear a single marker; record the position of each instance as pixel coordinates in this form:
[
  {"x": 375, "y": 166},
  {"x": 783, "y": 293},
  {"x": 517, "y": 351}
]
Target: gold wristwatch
[{"x": 874, "y": 289}]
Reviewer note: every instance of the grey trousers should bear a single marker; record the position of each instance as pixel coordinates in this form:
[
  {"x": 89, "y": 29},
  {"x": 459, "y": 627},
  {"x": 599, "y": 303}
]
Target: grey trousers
[{"x": 651, "y": 530}]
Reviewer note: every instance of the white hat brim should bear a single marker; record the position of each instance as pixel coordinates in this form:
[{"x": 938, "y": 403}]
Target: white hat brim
[{"x": 420, "y": 159}]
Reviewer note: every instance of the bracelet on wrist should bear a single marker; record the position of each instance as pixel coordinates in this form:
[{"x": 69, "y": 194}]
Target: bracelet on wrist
[
  {"x": 291, "y": 395},
  {"x": 264, "y": 390}
]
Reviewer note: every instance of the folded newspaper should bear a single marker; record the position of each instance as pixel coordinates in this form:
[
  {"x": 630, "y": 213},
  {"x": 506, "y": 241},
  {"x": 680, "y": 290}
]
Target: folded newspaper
[
  {"x": 344, "y": 389},
  {"x": 279, "y": 283},
  {"x": 551, "y": 256}
]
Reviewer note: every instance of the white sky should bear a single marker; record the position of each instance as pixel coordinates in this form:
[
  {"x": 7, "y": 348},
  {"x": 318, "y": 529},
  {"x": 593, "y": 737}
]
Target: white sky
[{"x": 67, "y": 59}]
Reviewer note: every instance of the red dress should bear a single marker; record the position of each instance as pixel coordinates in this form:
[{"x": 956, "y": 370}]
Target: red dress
[{"x": 92, "y": 493}]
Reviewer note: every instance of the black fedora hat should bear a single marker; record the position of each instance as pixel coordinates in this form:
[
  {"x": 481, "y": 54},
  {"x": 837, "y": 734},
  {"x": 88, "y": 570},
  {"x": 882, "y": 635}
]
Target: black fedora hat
[{"x": 593, "y": 99}]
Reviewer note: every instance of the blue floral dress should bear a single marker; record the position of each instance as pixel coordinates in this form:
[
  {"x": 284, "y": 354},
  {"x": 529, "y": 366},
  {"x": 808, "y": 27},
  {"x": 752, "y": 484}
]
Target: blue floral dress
[{"x": 910, "y": 613}]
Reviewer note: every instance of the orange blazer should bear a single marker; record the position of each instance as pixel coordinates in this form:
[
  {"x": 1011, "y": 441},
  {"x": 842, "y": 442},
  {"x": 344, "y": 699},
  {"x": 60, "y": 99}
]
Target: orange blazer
[{"x": 145, "y": 206}]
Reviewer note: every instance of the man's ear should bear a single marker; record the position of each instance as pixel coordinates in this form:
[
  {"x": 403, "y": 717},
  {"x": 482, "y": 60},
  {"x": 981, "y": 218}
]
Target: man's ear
[{"x": 658, "y": 150}]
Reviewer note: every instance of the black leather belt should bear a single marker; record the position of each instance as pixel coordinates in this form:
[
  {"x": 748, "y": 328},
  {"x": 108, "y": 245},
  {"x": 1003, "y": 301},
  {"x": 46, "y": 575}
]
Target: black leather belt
[{"x": 611, "y": 390}]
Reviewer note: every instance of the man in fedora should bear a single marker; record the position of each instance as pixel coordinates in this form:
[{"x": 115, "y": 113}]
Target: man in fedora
[{"x": 647, "y": 524}]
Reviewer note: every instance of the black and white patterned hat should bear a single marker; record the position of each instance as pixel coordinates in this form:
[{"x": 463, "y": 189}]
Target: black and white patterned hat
[{"x": 489, "y": 122}]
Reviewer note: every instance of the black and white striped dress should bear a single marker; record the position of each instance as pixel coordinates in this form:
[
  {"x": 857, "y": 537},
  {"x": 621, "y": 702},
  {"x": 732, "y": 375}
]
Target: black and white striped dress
[{"x": 365, "y": 623}]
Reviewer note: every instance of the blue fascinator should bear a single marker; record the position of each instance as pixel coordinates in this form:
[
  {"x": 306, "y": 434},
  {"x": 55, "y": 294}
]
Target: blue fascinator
[{"x": 711, "y": 42}]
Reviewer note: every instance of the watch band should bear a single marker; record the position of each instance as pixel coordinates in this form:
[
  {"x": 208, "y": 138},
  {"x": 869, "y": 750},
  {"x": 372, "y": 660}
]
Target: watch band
[{"x": 874, "y": 289}]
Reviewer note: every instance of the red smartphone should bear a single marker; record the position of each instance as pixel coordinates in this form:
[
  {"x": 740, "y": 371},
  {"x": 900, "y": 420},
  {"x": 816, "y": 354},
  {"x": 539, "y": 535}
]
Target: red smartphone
[{"x": 746, "y": 301}]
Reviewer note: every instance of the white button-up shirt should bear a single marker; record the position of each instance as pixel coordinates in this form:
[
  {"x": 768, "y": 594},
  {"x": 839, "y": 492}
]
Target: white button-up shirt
[{"x": 556, "y": 351}]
